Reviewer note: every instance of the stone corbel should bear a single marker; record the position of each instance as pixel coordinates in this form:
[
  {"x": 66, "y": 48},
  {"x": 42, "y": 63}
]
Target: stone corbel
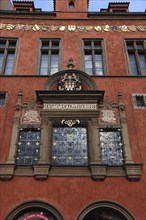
[
  {"x": 41, "y": 171},
  {"x": 133, "y": 171},
  {"x": 98, "y": 171},
  {"x": 6, "y": 171}
]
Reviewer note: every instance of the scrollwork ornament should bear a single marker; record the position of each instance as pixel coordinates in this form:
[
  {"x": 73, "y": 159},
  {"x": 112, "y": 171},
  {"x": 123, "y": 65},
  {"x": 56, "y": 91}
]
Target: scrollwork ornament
[
  {"x": 19, "y": 27},
  {"x": 10, "y": 27},
  {"x": 140, "y": 28},
  {"x": 97, "y": 28},
  {"x": 36, "y": 28},
  {"x": 70, "y": 123},
  {"x": 2, "y": 26}
]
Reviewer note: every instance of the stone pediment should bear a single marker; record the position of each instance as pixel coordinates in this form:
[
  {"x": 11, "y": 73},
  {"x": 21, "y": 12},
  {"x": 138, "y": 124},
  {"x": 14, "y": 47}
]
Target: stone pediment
[{"x": 80, "y": 79}]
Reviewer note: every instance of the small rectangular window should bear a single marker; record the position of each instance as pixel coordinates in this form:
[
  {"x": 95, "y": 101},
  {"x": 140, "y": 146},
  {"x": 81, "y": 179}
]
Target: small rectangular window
[
  {"x": 7, "y": 55},
  {"x": 136, "y": 52},
  {"x": 28, "y": 147},
  {"x": 94, "y": 57},
  {"x": 3, "y": 96},
  {"x": 111, "y": 147},
  {"x": 139, "y": 100},
  {"x": 49, "y": 57}
]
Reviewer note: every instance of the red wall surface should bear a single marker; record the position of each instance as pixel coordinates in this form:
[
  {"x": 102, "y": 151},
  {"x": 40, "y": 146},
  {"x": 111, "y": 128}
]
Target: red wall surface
[{"x": 69, "y": 194}]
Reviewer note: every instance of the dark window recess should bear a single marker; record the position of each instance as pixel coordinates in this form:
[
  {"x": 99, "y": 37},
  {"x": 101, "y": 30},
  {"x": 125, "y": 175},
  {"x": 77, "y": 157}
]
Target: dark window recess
[
  {"x": 28, "y": 147},
  {"x": 71, "y": 4},
  {"x": 2, "y": 98},
  {"x": 104, "y": 214},
  {"x": 140, "y": 100},
  {"x": 69, "y": 147},
  {"x": 111, "y": 147}
]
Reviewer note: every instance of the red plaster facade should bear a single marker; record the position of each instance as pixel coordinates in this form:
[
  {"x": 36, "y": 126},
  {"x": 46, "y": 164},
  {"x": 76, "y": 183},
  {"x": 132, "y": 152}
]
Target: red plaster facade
[{"x": 72, "y": 195}]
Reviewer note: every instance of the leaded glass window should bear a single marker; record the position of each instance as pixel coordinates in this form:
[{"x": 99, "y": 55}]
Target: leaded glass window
[
  {"x": 70, "y": 143},
  {"x": 28, "y": 147},
  {"x": 111, "y": 147}
]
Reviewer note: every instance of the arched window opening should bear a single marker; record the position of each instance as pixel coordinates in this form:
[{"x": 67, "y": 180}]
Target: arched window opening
[
  {"x": 104, "y": 214},
  {"x": 105, "y": 210},
  {"x": 71, "y": 4},
  {"x": 34, "y": 210}
]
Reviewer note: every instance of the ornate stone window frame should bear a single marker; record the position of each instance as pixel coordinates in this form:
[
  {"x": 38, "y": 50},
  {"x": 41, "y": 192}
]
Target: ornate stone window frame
[{"x": 76, "y": 104}]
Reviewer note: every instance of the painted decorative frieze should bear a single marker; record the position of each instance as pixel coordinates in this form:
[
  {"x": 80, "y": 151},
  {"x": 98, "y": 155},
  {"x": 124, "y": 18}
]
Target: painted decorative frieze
[{"x": 73, "y": 28}]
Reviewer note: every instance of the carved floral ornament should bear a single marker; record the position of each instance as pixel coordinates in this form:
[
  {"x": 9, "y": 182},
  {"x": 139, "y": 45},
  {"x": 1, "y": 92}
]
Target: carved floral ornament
[{"x": 73, "y": 28}]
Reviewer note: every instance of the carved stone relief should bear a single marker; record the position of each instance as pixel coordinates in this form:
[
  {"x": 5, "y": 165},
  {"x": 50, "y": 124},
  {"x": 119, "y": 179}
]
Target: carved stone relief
[{"x": 31, "y": 115}]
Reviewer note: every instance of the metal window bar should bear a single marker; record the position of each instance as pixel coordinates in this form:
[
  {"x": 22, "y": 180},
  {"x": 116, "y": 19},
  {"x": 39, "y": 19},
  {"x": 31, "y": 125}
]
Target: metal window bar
[
  {"x": 28, "y": 147},
  {"x": 111, "y": 147},
  {"x": 69, "y": 145}
]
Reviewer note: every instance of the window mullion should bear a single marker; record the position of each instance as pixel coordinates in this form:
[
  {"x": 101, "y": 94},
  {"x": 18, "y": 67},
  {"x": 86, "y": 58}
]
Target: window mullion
[
  {"x": 138, "y": 62},
  {"x": 93, "y": 58},
  {"x": 4, "y": 59},
  {"x": 49, "y": 57}
]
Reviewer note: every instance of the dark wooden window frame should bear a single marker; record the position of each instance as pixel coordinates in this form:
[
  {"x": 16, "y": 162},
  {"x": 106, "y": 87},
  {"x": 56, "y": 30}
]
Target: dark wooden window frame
[
  {"x": 6, "y": 51},
  {"x": 135, "y": 52},
  {"x": 48, "y": 41},
  {"x": 92, "y": 52}
]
